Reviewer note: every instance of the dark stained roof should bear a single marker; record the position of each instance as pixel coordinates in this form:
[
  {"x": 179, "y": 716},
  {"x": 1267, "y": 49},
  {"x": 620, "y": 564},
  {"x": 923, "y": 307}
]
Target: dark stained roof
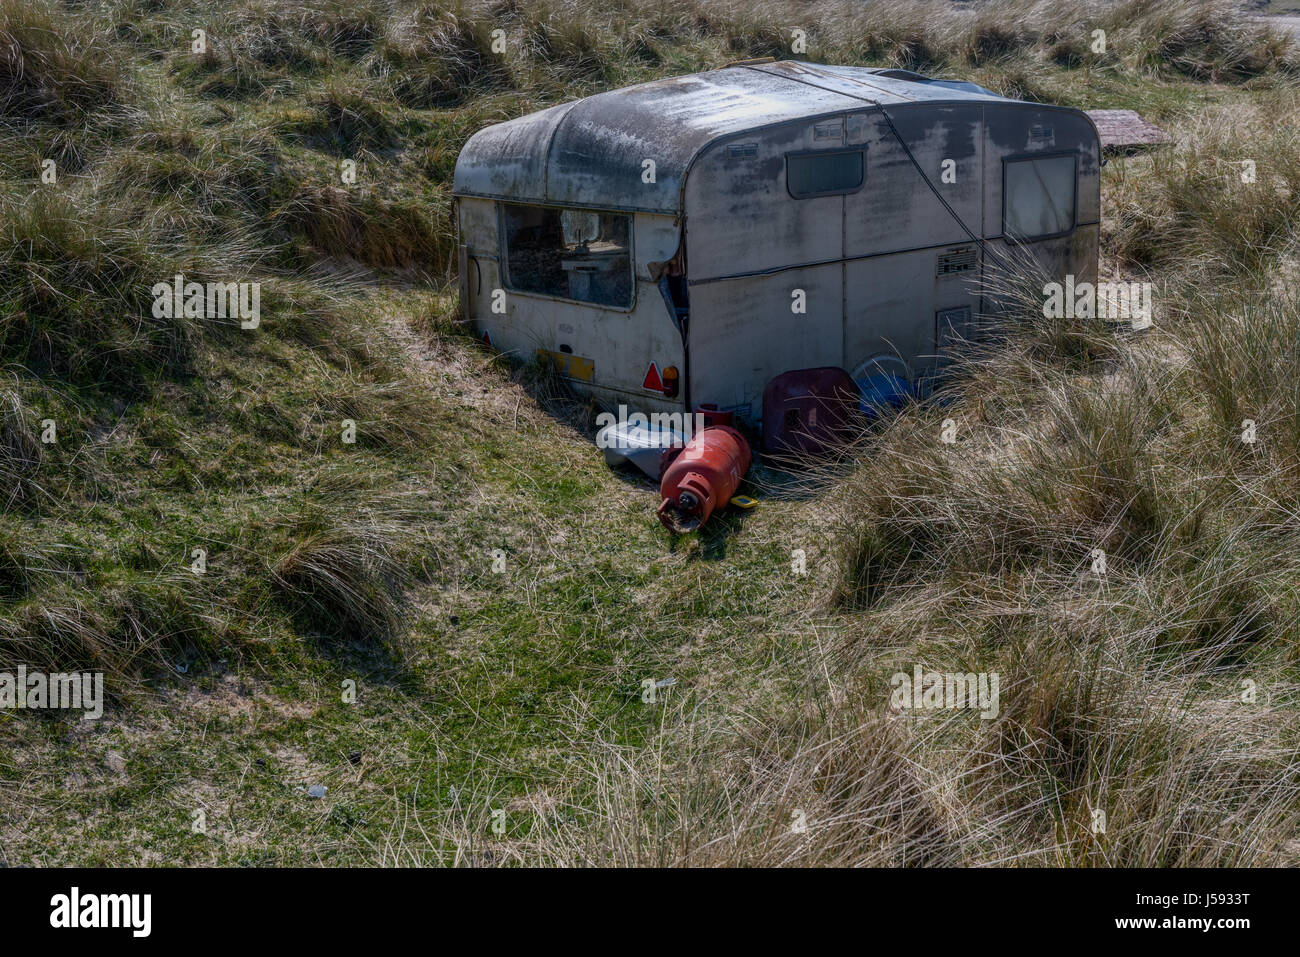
[{"x": 591, "y": 151}]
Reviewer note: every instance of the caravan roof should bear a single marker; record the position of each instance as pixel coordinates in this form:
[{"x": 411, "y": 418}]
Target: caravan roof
[{"x": 590, "y": 152}]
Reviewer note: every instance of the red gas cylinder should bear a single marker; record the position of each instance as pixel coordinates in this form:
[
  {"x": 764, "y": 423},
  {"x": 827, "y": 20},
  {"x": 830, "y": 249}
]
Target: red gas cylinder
[{"x": 702, "y": 476}]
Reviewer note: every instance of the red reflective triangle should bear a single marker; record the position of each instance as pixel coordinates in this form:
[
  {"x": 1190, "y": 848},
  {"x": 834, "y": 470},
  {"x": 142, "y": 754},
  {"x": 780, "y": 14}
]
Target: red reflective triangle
[
  {"x": 652, "y": 380},
  {"x": 487, "y": 338}
]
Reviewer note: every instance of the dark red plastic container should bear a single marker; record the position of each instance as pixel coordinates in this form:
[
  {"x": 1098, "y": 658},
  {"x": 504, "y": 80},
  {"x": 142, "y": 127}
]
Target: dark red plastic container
[{"x": 809, "y": 412}]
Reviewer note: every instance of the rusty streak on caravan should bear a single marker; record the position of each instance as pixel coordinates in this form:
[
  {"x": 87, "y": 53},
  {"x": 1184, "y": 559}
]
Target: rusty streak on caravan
[{"x": 765, "y": 218}]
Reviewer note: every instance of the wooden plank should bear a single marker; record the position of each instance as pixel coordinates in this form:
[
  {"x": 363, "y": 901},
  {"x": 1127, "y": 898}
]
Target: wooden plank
[{"x": 1124, "y": 129}]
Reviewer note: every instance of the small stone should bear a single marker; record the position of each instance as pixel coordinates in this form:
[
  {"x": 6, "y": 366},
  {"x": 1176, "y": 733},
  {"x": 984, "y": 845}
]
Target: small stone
[{"x": 316, "y": 791}]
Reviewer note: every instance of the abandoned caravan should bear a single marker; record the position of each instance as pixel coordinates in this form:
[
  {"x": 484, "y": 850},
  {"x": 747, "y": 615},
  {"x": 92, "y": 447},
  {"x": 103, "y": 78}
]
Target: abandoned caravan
[{"x": 755, "y": 237}]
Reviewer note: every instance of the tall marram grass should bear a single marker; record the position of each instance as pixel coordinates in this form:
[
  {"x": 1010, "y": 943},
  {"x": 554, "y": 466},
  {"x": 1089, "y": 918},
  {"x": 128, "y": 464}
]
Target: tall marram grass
[
  {"x": 1184, "y": 777},
  {"x": 1225, "y": 197},
  {"x": 74, "y": 293},
  {"x": 21, "y": 453},
  {"x": 1122, "y": 679},
  {"x": 345, "y": 579},
  {"x": 427, "y": 55},
  {"x": 56, "y": 66}
]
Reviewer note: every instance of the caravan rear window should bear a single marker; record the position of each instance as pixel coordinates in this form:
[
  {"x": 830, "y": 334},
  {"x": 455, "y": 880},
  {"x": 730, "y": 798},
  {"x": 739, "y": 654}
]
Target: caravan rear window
[
  {"x": 824, "y": 173},
  {"x": 568, "y": 253},
  {"x": 1038, "y": 197}
]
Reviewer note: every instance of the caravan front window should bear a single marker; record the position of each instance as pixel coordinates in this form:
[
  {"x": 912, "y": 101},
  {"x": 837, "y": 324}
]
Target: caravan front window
[
  {"x": 1038, "y": 197},
  {"x": 569, "y": 253}
]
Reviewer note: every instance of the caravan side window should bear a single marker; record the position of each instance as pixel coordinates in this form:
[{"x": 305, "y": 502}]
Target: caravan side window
[
  {"x": 568, "y": 253},
  {"x": 824, "y": 173},
  {"x": 1038, "y": 197}
]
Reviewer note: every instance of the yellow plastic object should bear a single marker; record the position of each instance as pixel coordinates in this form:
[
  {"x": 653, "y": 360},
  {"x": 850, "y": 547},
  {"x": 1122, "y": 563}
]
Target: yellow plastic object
[{"x": 743, "y": 501}]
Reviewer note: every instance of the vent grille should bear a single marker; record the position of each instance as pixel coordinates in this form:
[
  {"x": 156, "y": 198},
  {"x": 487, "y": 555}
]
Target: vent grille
[
  {"x": 743, "y": 150},
  {"x": 1042, "y": 136},
  {"x": 956, "y": 263},
  {"x": 829, "y": 131}
]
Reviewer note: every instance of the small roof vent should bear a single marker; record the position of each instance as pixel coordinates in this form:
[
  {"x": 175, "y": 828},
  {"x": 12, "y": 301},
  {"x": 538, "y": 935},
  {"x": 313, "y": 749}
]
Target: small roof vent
[{"x": 955, "y": 262}]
